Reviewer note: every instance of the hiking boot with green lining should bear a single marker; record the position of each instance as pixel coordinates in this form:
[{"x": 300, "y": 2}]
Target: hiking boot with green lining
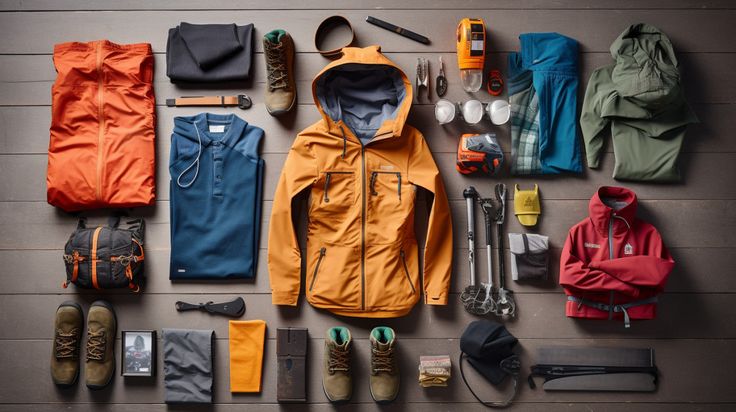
[
  {"x": 385, "y": 378},
  {"x": 280, "y": 95},
  {"x": 337, "y": 380},
  {"x": 101, "y": 331},
  {"x": 67, "y": 341}
]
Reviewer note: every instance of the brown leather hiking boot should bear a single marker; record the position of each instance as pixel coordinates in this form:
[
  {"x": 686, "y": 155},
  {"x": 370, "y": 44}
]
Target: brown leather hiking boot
[
  {"x": 101, "y": 331},
  {"x": 385, "y": 376},
  {"x": 278, "y": 48},
  {"x": 67, "y": 337},
  {"x": 337, "y": 380}
]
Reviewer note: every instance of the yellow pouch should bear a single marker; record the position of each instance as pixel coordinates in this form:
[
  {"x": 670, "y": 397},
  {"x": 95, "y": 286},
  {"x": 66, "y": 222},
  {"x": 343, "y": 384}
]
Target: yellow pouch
[
  {"x": 526, "y": 205},
  {"x": 246, "y": 354}
]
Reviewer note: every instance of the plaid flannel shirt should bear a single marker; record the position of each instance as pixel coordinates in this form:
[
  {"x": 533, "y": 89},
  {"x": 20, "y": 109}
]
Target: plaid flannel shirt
[{"x": 525, "y": 132}]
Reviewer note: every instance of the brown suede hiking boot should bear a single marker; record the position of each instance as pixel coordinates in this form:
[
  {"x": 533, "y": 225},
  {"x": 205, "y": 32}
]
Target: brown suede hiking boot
[
  {"x": 101, "y": 331},
  {"x": 278, "y": 47},
  {"x": 337, "y": 380},
  {"x": 67, "y": 340},
  {"x": 385, "y": 376}
]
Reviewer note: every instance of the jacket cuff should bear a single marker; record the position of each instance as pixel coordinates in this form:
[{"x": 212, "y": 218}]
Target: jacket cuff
[
  {"x": 284, "y": 298},
  {"x": 435, "y": 299}
]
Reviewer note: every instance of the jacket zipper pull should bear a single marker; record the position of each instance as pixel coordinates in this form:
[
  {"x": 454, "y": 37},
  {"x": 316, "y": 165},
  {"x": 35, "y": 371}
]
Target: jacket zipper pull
[
  {"x": 398, "y": 175},
  {"x": 374, "y": 176},
  {"x": 328, "y": 176},
  {"x": 322, "y": 253}
]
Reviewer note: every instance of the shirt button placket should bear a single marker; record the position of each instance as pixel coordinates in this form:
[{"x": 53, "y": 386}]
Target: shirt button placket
[{"x": 217, "y": 166}]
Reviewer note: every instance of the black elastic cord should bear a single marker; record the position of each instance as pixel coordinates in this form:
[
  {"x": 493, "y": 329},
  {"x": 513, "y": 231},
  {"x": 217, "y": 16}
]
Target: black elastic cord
[{"x": 489, "y": 404}]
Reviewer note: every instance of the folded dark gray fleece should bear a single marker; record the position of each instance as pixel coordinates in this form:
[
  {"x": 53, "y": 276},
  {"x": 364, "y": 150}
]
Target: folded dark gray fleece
[
  {"x": 206, "y": 53},
  {"x": 188, "y": 371}
]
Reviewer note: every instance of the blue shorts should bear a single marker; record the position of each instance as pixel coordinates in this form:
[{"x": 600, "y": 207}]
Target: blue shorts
[{"x": 543, "y": 88}]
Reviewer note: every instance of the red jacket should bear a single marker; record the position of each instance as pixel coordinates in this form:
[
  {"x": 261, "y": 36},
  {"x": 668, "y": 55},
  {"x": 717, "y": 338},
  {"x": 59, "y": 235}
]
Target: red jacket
[{"x": 613, "y": 264}]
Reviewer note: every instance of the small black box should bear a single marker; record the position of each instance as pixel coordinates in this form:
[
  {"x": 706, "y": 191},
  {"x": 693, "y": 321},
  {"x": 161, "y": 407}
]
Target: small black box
[{"x": 291, "y": 356}]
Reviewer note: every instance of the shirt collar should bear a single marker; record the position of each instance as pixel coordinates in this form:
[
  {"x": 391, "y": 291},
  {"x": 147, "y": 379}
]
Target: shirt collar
[{"x": 234, "y": 128}]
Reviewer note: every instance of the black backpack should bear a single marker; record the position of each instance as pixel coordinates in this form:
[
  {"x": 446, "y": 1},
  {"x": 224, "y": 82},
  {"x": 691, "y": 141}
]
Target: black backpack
[{"x": 106, "y": 257}]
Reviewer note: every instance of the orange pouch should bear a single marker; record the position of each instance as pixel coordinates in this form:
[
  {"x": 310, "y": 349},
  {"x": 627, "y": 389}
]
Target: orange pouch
[
  {"x": 102, "y": 145},
  {"x": 246, "y": 354}
]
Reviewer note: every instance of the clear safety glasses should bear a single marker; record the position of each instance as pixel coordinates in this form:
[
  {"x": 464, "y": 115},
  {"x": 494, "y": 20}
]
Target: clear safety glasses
[{"x": 472, "y": 111}]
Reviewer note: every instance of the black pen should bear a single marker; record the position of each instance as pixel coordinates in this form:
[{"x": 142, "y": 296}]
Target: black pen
[{"x": 398, "y": 30}]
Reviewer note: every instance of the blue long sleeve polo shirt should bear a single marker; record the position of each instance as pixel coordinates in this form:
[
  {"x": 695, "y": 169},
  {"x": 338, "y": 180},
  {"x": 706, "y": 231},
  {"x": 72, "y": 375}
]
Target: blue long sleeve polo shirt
[{"x": 216, "y": 193}]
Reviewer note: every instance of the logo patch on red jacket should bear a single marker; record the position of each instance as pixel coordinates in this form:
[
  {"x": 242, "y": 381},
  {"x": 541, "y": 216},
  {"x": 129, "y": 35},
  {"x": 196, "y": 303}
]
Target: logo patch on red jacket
[
  {"x": 628, "y": 249},
  {"x": 592, "y": 245}
]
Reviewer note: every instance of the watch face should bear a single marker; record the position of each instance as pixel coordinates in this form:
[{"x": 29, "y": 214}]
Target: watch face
[{"x": 138, "y": 353}]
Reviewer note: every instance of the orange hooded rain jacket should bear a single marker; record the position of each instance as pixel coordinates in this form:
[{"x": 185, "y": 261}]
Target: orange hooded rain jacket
[{"x": 361, "y": 164}]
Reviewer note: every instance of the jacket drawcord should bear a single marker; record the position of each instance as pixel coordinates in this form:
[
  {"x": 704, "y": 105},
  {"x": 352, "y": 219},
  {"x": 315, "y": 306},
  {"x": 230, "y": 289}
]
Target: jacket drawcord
[
  {"x": 344, "y": 142},
  {"x": 194, "y": 163}
]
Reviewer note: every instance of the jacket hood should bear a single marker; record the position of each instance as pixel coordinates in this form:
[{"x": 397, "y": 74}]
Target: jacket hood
[
  {"x": 646, "y": 68},
  {"x": 363, "y": 92},
  {"x": 610, "y": 201}
]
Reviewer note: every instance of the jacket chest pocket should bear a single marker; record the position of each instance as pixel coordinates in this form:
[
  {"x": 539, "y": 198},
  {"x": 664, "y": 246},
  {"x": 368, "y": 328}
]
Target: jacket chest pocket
[
  {"x": 386, "y": 186},
  {"x": 334, "y": 193},
  {"x": 391, "y": 203}
]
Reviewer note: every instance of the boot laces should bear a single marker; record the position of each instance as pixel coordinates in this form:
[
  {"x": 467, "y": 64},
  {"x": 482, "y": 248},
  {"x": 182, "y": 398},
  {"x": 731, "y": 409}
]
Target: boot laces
[
  {"x": 96, "y": 345},
  {"x": 339, "y": 360},
  {"x": 65, "y": 344},
  {"x": 276, "y": 64},
  {"x": 382, "y": 360}
]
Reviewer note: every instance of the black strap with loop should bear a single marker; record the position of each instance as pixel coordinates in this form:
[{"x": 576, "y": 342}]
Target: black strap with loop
[
  {"x": 234, "y": 308},
  {"x": 510, "y": 365}
]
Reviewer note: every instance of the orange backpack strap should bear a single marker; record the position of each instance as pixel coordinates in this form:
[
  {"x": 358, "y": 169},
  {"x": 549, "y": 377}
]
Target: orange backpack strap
[
  {"x": 140, "y": 246},
  {"x": 74, "y": 258}
]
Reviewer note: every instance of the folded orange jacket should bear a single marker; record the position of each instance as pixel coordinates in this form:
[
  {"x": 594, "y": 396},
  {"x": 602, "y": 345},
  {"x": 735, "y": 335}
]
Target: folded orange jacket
[
  {"x": 246, "y": 354},
  {"x": 102, "y": 144}
]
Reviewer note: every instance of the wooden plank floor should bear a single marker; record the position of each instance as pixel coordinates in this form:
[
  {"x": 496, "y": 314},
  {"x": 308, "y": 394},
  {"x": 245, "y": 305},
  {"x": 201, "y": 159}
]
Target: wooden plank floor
[{"x": 694, "y": 336}]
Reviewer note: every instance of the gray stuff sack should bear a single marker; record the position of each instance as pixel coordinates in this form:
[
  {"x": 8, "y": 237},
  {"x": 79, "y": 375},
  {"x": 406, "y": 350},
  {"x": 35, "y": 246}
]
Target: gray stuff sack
[
  {"x": 529, "y": 256},
  {"x": 188, "y": 369}
]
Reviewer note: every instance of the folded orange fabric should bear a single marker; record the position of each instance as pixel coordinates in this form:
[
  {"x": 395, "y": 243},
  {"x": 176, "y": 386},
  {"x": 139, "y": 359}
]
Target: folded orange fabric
[{"x": 246, "y": 354}]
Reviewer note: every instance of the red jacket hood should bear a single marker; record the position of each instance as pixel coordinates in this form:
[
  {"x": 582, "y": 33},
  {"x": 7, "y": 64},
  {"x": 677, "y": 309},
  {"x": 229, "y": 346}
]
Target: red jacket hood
[{"x": 611, "y": 201}]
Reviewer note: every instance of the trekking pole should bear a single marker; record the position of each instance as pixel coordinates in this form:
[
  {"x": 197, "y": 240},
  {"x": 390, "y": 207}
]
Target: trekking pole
[
  {"x": 489, "y": 304},
  {"x": 505, "y": 304},
  {"x": 470, "y": 295}
]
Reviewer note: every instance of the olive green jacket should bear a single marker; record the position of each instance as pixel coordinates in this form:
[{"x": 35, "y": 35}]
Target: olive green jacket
[{"x": 641, "y": 97}]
